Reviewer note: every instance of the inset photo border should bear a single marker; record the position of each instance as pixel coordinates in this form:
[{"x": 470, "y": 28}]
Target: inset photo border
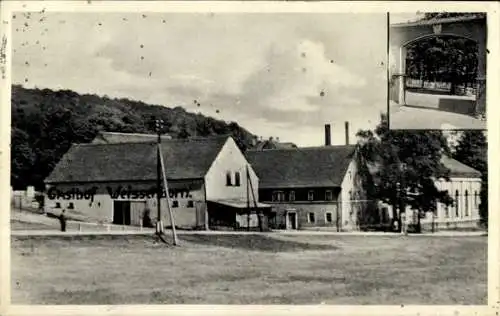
[{"x": 437, "y": 70}]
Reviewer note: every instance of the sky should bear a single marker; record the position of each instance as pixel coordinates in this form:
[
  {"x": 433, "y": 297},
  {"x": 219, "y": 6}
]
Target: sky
[
  {"x": 276, "y": 74},
  {"x": 404, "y": 17}
]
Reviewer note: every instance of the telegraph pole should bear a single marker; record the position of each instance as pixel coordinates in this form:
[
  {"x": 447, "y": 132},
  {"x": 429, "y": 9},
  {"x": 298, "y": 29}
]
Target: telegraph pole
[{"x": 159, "y": 223}]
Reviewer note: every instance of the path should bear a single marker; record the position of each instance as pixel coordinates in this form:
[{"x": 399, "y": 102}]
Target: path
[{"x": 403, "y": 117}]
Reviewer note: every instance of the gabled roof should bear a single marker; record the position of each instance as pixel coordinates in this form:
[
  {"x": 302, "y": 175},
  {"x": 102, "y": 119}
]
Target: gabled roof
[
  {"x": 184, "y": 159},
  {"x": 457, "y": 169},
  {"x": 301, "y": 167},
  {"x": 112, "y": 137}
]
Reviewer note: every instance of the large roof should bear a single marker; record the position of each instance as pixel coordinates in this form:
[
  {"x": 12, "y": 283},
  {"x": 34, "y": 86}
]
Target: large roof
[
  {"x": 457, "y": 169},
  {"x": 184, "y": 159},
  {"x": 301, "y": 167}
]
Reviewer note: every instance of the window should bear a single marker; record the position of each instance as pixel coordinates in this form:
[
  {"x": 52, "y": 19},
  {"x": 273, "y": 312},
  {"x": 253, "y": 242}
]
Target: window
[
  {"x": 328, "y": 217},
  {"x": 237, "y": 179},
  {"x": 281, "y": 196},
  {"x": 466, "y": 203},
  {"x": 291, "y": 196},
  {"x": 175, "y": 203},
  {"x": 457, "y": 204},
  {"x": 278, "y": 196},
  {"x": 310, "y": 195},
  {"x": 476, "y": 200},
  {"x": 71, "y": 205},
  {"x": 328, "y": 195},
  {"x": 190, "y": 203},
  {"x": 446, "y": 208},
  {"x": 311, "y": 218},
  {"x": 228, "y": 179},
  {"x": 58, "y": 205}
]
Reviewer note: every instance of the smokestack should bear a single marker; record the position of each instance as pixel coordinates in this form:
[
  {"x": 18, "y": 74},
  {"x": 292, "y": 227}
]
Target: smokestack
[
  {"x": 328, "y": 136},
  {"x": 347, "y": 133}
]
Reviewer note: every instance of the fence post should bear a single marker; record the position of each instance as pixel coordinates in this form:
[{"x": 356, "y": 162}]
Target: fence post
[{"x": 79, "y": 227}]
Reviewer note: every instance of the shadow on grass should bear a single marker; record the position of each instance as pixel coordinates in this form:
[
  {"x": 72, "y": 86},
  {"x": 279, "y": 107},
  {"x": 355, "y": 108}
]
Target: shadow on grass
[
  {"x": 82, "y": 297},
  {"x": 254, "y": 242}
]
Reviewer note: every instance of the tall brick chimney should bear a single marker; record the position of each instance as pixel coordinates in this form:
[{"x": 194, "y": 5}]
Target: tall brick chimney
[
  {"x": 328, "y": 136},
  {"x": 347, "y": 133}
]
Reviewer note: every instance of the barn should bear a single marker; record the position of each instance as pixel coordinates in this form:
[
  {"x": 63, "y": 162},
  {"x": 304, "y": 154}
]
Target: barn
[{"x": 113, "y": 180}]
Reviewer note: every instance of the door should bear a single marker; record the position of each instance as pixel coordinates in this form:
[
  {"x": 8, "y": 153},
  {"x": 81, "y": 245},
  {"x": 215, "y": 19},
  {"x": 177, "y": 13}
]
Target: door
[
  {"x": 137, "y": 209},
  {"x": 121, "y": 212},
  {"x": 291, "y": 221}
]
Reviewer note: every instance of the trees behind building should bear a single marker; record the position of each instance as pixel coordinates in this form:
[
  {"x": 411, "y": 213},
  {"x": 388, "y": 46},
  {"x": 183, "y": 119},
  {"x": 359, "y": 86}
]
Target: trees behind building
[{"x": 45, "y": 123}]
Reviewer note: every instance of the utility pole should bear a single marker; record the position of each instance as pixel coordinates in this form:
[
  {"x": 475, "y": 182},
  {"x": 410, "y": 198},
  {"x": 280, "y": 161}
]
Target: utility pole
[
  {"x": 172, "y": 222},
  {"x": 159, "y": 191},
  {"x": 248, "y": 197}
]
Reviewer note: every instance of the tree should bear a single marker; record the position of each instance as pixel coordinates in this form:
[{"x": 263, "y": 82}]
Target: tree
[
  {"x": 405, "y": 165},
  {"x": 45, "y": 123},
  {"x": 472, "y": 150},
  {"x": 444, "y": 15},
  {"x": 22, "y": 159}
]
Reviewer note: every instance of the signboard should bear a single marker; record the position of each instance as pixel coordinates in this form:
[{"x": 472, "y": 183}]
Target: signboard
[{"x": 120, "y": 192}]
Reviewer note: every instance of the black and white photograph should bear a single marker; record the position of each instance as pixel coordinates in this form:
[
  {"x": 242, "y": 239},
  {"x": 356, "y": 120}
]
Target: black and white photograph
[
  {"x": 196, "y": 155},
  {"x": 438, "y": 70}
]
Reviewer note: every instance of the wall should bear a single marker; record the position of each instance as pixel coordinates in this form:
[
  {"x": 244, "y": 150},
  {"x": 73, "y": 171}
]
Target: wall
[
  {"x": 465, "y": 218},
  {"x": 94, "y": 202},
  {"x": 230, "y": 159},
  {"x": 302, "y": 210},
  {"x": 471, "y": 185},
  {"x": 351, "y": 191}
]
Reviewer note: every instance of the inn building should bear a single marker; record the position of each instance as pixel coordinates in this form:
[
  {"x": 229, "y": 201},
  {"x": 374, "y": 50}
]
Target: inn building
[
  {"x": 315, "y": 188},
  {"x": 113, "y": 180}
]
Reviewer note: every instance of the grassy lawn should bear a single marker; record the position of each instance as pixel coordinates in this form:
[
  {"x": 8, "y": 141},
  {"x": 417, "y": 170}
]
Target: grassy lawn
[{"x": 249, "y": 269}]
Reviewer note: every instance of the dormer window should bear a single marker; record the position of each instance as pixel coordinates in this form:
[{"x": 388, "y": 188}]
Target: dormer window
[
  {"x": 328, "y": 195},
  {"x": 310, "y": 195}
]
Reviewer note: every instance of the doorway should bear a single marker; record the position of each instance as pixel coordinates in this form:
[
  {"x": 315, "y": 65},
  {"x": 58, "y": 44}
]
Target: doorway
[
  {"x": 291, "y": 220},
  {"x": 121, "y": 212}
]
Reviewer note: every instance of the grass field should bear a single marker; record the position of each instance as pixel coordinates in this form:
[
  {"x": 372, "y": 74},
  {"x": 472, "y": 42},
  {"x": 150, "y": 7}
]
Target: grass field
[{"x": 249, "y": 269}]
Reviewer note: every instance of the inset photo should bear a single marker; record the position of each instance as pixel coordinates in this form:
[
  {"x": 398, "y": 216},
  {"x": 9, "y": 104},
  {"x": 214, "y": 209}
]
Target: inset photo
[{"x": 437, "y": 71}]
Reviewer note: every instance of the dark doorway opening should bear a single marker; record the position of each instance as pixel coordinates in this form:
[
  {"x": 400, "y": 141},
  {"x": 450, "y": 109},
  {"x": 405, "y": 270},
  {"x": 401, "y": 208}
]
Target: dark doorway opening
[{"x": 121, "y": 212}]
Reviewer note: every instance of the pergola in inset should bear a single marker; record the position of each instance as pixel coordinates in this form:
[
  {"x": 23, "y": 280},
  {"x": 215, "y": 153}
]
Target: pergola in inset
[{"x": 403, "y": 34}]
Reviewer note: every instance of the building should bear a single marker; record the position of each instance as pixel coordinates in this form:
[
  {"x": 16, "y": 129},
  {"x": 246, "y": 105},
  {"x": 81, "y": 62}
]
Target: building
[
  {"x": 114, "y": 181},
  {"x": 310, "y": 188},
  {"x": 273, "y": 143},
  {"x": 464, "y": 186}
]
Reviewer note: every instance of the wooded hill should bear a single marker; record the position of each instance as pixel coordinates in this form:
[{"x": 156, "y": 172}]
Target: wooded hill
[{"x": 45, "y": 123}]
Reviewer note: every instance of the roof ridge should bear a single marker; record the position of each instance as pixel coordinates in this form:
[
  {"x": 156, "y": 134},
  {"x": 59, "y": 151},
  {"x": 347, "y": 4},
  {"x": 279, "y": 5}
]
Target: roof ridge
[
  {"x": 304, "y": 148},
  {"x": 171, "y": 140}
]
